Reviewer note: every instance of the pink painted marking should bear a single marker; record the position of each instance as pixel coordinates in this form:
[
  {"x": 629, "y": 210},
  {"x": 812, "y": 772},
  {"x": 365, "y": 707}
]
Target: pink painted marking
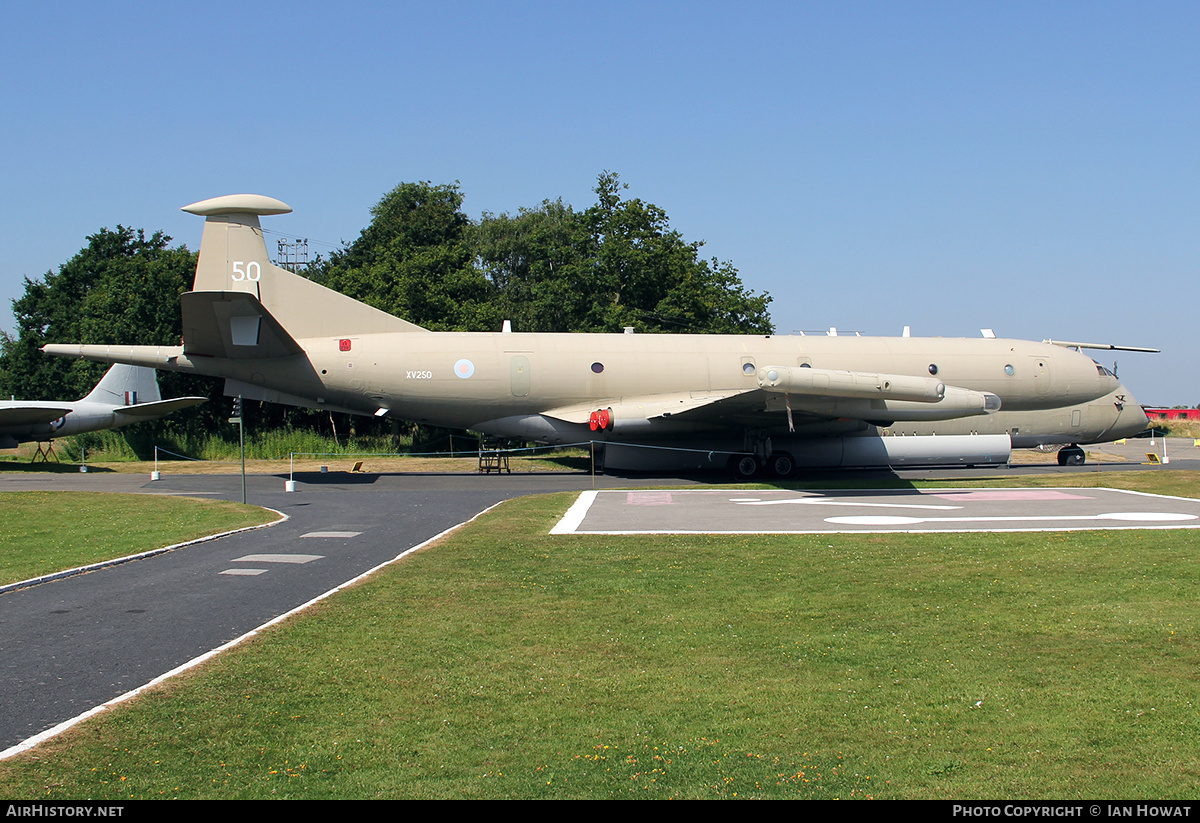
[
  {"x": 648, "y": 499},
  {"x": 1010, "y": 494}
]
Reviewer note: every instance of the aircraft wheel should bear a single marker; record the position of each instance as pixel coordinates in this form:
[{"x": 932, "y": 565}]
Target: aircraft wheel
[
  {"x": 1071, "y": 456},
  {"x": 782, "y": 465},
  {"x": 743, "y": 466}
]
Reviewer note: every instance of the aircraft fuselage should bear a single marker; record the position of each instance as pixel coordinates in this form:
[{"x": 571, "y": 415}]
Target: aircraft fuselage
[
  {"x": 278, "y": 337},
  {"x": 1048, "y": 395}
]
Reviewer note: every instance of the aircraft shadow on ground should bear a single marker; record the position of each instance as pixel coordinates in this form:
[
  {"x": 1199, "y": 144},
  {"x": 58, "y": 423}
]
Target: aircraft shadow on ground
[
  {"x": 337, "y": 478},
  {"x": 54, "y": 468}
]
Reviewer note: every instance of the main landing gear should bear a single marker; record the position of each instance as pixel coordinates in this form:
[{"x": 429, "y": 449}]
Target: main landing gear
[
  {"x": 749, "y": 466},
  {"x": 1071, "y": 456}
]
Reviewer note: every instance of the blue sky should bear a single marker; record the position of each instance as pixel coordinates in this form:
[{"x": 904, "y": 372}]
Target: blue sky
[{"x": 1028, "y": 167}]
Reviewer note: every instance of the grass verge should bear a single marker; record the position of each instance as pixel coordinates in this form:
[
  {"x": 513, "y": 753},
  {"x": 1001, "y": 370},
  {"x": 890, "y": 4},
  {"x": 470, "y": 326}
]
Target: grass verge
[
  {"x": 45, "y": 532},
  {"x": 504, "y": 662}
]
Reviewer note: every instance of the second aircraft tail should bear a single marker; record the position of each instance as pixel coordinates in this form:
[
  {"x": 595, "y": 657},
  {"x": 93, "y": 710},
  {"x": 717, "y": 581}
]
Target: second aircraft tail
[{"x": 126, "y": 386}]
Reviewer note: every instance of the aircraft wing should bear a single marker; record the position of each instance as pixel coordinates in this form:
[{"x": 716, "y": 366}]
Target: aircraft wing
[
  {"x": 791, "y": 393},
  {"x": 691, "y": 411},
  {"x": 1069, "y": 344},
  {"x": 147, "y": 411},
  {"x": 18, "y": 414},
  {"x": 656, "y": 406}
]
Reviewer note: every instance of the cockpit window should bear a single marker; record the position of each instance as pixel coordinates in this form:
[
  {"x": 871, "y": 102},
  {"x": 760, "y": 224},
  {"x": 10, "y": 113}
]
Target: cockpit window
[{"x": 1103, "y": 372}]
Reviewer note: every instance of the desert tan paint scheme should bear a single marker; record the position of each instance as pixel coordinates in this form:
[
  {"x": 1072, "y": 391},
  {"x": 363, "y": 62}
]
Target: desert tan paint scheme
[{"x": 756, "y": 401}]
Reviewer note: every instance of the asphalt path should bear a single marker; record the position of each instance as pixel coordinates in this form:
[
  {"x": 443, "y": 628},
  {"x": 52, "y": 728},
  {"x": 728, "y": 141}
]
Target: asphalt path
[{"x": 70, "y": 645}]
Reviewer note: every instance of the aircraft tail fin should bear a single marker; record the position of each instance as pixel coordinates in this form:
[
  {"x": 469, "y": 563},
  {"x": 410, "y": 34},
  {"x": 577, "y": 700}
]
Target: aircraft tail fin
[
  {"x": 124, "y": 385},
  {"x": 233, "y": 257}
]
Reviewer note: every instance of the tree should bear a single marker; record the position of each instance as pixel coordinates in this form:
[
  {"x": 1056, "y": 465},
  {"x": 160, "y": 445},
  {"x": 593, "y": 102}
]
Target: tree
[
  {"x": 122, "y": 287},
  {"x": 413, "y": 261},
  {"x": 617, "y": 264},
  {"x": 656, "y": 281},
  {"x": 539, "y": 265}
]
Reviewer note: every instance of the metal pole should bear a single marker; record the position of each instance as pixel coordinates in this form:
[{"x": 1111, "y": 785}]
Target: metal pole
[{"x": 242, "y": 443}]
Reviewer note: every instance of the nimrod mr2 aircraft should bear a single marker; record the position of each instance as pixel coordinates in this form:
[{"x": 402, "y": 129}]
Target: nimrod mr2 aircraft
[{"x": 757, "y": 404}]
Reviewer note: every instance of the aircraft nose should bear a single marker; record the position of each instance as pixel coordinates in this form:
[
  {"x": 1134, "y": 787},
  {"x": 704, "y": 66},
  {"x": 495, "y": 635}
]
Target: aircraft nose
[{"x": 1131, "y": 419}]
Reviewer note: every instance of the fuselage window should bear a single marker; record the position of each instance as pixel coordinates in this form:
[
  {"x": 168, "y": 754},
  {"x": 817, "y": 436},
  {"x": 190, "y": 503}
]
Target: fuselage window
[
  {"x": 933, "y": 368},
  {"x": 597, "y": 367}
]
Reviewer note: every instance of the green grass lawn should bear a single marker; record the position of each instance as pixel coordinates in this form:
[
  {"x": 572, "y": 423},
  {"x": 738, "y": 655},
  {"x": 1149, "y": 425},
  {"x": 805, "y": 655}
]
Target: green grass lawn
[
  {"x": 44, "y": 532},
  {"x": 503, "y": 662}
]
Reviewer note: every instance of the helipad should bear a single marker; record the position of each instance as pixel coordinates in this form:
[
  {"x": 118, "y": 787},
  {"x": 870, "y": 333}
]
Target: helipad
[{"x": 738, "y": 511}]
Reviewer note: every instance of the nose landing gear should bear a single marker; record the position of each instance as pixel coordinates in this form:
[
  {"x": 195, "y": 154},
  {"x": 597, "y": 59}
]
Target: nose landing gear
[{"x": 1071, "y": 456}]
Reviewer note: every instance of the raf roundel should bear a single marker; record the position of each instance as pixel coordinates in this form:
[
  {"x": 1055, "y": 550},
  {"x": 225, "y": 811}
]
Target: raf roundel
[{"x": 464, "y": 368}]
